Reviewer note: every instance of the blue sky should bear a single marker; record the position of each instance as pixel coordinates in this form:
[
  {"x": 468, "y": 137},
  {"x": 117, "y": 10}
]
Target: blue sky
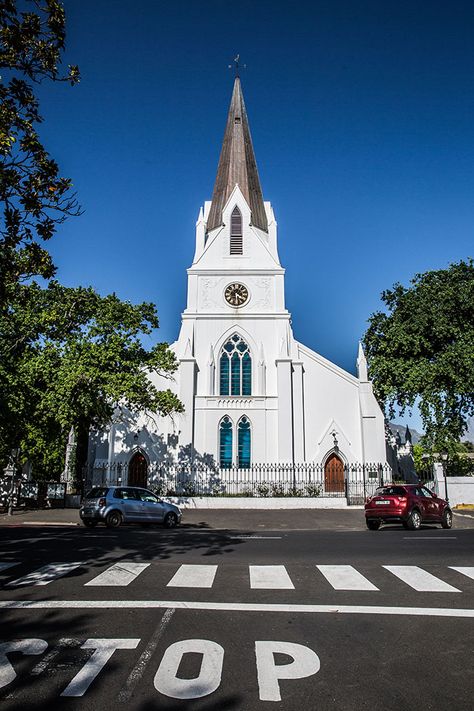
[{"x": 362, "y": 122}]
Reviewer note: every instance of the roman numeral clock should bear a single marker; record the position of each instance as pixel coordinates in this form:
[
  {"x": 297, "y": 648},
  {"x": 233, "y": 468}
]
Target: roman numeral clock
[{"x": 236, "y": 294}]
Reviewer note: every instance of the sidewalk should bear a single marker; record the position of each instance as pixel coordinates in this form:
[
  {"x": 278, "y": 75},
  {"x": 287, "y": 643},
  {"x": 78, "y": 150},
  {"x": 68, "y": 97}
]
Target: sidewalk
[{"x": 214, "y": 519}]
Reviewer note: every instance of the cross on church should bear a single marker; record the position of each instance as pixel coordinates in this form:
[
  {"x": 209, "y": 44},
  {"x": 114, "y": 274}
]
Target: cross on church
[{"x": 237, "y": 65}]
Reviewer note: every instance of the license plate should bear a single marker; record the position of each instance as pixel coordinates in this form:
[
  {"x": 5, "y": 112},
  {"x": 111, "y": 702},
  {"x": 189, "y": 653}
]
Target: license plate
[{"x": 383, "y": 503}]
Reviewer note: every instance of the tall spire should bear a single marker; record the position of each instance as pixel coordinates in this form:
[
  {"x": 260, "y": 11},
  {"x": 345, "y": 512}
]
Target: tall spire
[{"x": 237, "y": 165}]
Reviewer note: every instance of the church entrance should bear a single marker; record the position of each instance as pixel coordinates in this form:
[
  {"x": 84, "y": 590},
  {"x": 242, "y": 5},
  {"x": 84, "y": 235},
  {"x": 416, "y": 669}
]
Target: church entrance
[
  {"x": 334, "y": 475},
  {"x": 138, "y": 471}
]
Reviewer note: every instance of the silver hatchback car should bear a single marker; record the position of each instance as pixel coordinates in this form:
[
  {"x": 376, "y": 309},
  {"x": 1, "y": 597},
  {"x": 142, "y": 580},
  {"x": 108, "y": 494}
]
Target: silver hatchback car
[{"x": 114, "y": 505}]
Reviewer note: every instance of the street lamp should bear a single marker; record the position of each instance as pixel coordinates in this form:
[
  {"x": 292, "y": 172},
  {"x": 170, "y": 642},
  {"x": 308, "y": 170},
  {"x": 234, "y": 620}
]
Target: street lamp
[{"x": 444, "y": 460}]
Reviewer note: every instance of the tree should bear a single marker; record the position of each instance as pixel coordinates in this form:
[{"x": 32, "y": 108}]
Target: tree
[
  {"x": 33, "y": 195},
  {"x": 68, "y": 356},
  {"x": 421, "y": 351}
]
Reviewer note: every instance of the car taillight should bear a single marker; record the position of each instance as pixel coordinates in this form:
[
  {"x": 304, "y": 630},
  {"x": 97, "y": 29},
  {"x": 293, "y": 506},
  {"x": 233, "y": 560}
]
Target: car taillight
[
  {"x": 402, "y": 499},
  {"x": 102, "y": 501}
]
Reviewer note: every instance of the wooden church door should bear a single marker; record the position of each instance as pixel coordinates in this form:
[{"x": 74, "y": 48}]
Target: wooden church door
[
  {"x": 334, "y": 474},
  {"x": 138, "y": 470}
]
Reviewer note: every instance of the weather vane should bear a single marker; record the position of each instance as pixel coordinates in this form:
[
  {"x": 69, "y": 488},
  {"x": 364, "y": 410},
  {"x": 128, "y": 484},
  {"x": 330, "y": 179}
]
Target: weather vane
[{"x": 237, "y": 65}]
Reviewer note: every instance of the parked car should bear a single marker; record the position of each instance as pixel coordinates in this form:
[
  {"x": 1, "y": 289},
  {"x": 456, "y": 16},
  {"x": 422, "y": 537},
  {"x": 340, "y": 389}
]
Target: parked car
[
  {"x": 114, "y": 505},
  {"x": 409, "y": 504}
]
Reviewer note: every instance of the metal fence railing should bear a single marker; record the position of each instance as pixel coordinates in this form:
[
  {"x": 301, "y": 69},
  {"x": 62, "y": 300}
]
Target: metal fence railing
[{"x": 355, "y": 482}]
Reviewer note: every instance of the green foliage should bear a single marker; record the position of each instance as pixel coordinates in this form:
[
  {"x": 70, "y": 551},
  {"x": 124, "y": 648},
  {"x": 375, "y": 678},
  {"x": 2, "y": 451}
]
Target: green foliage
[
  {"x": 33, "y": 195},
  {"x": 422, "y": 351},
  {"x": 67, "y": 357}
]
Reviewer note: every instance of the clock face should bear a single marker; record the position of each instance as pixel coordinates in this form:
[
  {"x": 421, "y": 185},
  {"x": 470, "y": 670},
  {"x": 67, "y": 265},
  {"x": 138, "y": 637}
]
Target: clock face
[{"x": 236, "y": 294}]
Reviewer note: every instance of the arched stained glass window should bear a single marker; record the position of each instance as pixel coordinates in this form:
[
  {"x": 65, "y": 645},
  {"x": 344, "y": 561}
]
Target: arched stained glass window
[
  {"x": 244, "y": 441},
  {"x": 235, "y": 368},
  {"x": 225, "y": 443},
  {"x": 236, "y": 239}
]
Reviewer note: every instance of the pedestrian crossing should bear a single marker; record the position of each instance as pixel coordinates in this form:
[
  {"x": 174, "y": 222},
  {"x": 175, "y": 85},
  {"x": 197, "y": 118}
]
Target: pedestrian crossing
[{"x": 255, "y": 577}]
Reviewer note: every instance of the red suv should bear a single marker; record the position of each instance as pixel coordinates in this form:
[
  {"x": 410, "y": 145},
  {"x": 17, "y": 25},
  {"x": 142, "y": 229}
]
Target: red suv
[{"x": 409, "y": 504}]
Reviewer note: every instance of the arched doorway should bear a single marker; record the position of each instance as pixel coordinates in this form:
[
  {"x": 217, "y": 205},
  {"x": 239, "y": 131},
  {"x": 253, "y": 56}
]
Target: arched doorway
[
  {"x": 138, "y": 470},
  {"x": 334, "y": 474}
]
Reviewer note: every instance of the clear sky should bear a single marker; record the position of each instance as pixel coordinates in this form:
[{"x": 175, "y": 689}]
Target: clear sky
[{"x": 362, "y": 122}]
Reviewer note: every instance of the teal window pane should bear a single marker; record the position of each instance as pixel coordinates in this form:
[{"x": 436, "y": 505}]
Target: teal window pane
[
  {"x": 246, "y": 374},
  {"x": 235, "y": 370},
  {"x": 244, "y": 443},
  {"x": 225, "y": 443},
  {"x": 224, "y": 377}
]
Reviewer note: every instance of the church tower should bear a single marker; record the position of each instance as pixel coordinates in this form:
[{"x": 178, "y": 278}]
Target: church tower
[{"x": 234, "y": 345}]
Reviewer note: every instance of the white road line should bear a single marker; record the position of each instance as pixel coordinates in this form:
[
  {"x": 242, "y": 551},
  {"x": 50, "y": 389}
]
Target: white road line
[
  {"x": 5, "y": 566},
  {"x": 345, "y": 577},
  {"x": 469, "y": 571},
  {"x": 419, "y": 579},
  {"x": 270, "y": 577},
  {"x": 119, "y": 574},
  {"x": 232, "y": 607},
  {"x": 138, "y": 670},
  {"x": 45, "y": 575},
  {"x": 193, "y": 576}
]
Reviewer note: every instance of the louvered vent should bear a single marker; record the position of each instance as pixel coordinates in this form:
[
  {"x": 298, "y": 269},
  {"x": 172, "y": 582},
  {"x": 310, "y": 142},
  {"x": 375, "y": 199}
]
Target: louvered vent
[{"x": 236, "y": 239}]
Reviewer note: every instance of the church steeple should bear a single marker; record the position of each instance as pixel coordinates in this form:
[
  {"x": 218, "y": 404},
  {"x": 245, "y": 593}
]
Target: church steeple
[{"x": 237, "y": 165}]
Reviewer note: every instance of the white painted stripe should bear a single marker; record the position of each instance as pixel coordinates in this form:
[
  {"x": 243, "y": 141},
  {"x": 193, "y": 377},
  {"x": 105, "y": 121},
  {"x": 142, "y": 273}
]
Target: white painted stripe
[
  {"x": 138, "y": 670},
  {"x": 419, "y": 579},
  {"x": 270, "y": 577},
  {"x": 5, "y": 566},
  {"x": 468, "y": 572},
  {"x": 119, "y": 574},
  {"x": 232, "y": 607},
  {"x": 45, "y": 575},
  {"x": 345, "y": 577},
  {"x": 193, "y": 576}
]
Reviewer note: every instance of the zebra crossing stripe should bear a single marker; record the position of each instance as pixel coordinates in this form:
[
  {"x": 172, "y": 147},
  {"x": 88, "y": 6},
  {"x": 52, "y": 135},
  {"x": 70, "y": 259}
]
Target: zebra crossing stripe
[
  {"x": 468, "y": 572},
  {"x": 45, "y": 575},
  {"x": 193, "y": 576},
  {"x": 420, "y": 579},
  {"x": 270, "y": 577},
  {"x": 345, "y": 577},
  {"x": 5, "y": 566},
  {"x": 120, "y": 574}
]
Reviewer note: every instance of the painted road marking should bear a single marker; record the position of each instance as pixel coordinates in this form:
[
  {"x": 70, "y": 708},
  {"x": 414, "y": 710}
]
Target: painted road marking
[
  {"x": 419, "y": 579},
  {"x": 138, "y": 670},
  {"x": 119, "y": 574},
  {"x": 5, "y": 566},
  {"x": 193, "y": 576},
  {"x": 345, "y": 577},
  {"x": 469, "y": 572},
  {"x": 270, "y": 577},
  {"x": 103, "y": 650},
  {"x": 45, "y": 575},
  {"x": 233, "y": 607}
]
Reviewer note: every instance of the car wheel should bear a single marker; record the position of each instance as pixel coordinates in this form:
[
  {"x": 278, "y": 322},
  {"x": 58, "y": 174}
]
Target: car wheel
[
  {"x": 372, "y": 524},
  {"x": 114, "y": 519},
  {"x": 447, "y": 519},
  {"x": 414, "y": 520},
  {"x": 89, "y": 524},
  {"x": 170, "y": 520}
]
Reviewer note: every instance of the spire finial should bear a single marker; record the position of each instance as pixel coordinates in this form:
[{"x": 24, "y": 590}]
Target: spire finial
[{"x": 237, "y": 65}]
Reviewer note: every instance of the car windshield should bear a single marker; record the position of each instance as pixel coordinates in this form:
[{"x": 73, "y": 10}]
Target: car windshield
[
  {"x": 391, "y": 491},
  {"x": 97, "y": 492}
]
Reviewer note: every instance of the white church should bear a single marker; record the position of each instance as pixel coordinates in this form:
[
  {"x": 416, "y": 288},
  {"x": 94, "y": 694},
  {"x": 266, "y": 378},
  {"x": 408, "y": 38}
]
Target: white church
[{"x": 252, "y": 393}]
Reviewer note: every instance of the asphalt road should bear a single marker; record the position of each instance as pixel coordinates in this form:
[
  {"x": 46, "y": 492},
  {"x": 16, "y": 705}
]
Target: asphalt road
[{"x": 208, "y": 617}]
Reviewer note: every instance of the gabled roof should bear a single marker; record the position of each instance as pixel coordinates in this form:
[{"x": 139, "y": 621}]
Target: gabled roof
[{"x": 237, "y": 165}]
